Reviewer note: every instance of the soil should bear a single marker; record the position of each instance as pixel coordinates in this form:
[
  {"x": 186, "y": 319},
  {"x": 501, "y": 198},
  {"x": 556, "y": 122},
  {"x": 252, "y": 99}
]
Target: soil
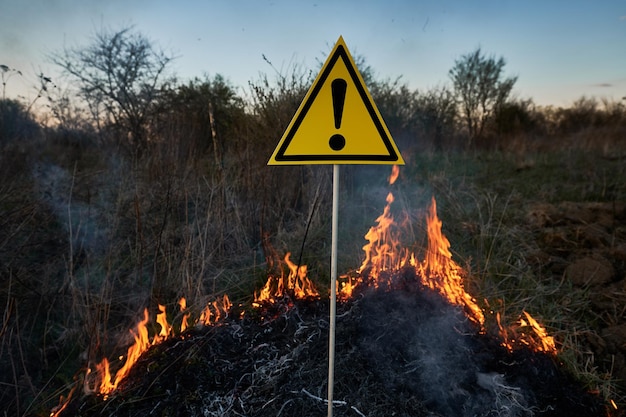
[
  {"x": 585, "y": 245},
  {"x": 401, "y": 352}
]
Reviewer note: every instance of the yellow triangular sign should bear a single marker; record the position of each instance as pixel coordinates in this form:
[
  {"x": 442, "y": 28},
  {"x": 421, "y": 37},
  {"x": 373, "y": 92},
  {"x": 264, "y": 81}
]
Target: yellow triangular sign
[{"x": 337, "y": 122}]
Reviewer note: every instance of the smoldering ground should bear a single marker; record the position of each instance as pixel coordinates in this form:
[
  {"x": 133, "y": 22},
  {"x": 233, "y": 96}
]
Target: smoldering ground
[{"x": 404, "y": 352}]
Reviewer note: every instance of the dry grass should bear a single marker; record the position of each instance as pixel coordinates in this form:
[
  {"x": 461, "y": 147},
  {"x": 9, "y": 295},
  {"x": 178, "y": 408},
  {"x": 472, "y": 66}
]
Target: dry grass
[{"x": 88, "y": 237}]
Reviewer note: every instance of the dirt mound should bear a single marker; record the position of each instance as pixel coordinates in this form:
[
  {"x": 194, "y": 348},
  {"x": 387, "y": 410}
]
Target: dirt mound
[{"x": 405, "y": 352}]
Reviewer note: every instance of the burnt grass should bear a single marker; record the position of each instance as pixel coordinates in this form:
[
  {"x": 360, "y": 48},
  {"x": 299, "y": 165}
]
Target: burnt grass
[{"x": 402, "y": 351}]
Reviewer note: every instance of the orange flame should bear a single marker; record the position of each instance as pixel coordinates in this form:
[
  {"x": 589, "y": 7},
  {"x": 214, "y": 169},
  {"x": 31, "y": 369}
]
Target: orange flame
[
  {"x": 546, "y": 342},
  {"x": 214, "y": 311},
  {"x": 441, "y": 273},
  {"x": 296, "y": 283},
  {"x": 63, "y": 403},
  {"x": 384, "y": 251},
  {"x": 183, "y": 307},
  {"x": 344, "y": 289},
  {"x": 395, "y": 172},
  {"x": 166, "y": 329},
  {"x": 527, "y": 332},
  {"x": 105, "y": 383},
  {"x": 141, "y": 345},
  {"x": 438, "y": 271}
]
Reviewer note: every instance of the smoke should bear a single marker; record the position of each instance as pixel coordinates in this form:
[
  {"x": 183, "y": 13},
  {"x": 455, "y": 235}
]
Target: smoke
[
  {"x": 422, "y": 345},
  {"x": 81, "y": 220}
]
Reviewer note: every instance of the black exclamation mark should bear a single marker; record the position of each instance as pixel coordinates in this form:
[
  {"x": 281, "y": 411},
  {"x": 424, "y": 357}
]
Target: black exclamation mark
[{"x": 337, "y": 142}]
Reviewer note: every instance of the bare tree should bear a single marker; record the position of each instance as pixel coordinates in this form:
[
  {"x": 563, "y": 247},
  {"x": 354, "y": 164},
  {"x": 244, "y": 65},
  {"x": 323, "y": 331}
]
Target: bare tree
[
  {"x": 480, "y": 88},
  {"x": 120, "y": 74}
]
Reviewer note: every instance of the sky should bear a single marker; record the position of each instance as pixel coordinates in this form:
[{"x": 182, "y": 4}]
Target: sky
[{"x": 559, "y": 50}]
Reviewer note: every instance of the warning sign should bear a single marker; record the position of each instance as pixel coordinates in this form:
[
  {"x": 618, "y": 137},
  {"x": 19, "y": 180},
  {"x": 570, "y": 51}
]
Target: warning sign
[{"x": 337, "y": 122}]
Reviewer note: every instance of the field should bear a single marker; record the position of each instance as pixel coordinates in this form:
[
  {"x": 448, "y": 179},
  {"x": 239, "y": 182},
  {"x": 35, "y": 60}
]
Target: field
[
  {"x": 545, "y": 234},
  {"x": 89, "y": 237}
]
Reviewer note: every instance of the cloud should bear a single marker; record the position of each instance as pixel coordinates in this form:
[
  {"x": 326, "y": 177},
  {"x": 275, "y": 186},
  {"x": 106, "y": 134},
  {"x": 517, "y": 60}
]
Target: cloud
[
  {"x": 622, "y": 17},
  {"x": 603, "y": 85}
]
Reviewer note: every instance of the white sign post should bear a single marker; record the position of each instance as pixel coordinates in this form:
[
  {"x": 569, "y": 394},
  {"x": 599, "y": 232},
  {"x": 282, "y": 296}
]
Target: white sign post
[
  {"x": 333, "y": 289},
  {"x": 336, "y": 123}
]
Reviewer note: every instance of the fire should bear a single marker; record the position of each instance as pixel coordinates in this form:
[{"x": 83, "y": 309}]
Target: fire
[
  {"x": 384, "y": 255},
  {"x": 166, "y": 328},
  {"x": 438, "y": 271},
  {"x": 296, "y": 284},
  {"x": 527, "y": 332},
  {"x": 142, "y": 343},
  {"x": 545, "y": 342},
  {"x": 183, "y": 309},
  {"x": 441, "y": 273},
  {"x": 214, "y": 311},
  {"x": 102, "y": 380},
  {"x": 384, "y": 251},
  {"x": 63, "y": 403},
  {"x": 346, "y": 287},
  {"x": 395, "y": 173}
]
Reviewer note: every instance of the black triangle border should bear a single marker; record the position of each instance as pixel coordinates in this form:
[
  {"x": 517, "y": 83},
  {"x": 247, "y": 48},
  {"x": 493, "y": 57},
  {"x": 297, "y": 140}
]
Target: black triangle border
[{"x": 339, "y": 53}]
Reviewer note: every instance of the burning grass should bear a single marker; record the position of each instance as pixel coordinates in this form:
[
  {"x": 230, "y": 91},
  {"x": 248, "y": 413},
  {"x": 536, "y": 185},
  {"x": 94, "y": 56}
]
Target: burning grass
[
  {"x": 409, "y": 339},
  {"x": 406, "y": 351}
]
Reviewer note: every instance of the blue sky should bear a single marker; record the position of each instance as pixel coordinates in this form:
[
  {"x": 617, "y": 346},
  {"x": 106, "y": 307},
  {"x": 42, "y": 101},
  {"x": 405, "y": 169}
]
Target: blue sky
[{"x": 559, "y": 50}]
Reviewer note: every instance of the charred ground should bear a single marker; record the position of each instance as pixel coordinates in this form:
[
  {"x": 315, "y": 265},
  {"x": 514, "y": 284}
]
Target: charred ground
[{"x": 405, "y": 352}]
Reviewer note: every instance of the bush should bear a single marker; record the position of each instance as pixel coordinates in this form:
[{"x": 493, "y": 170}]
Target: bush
[{"x": 16, "y": 124}]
